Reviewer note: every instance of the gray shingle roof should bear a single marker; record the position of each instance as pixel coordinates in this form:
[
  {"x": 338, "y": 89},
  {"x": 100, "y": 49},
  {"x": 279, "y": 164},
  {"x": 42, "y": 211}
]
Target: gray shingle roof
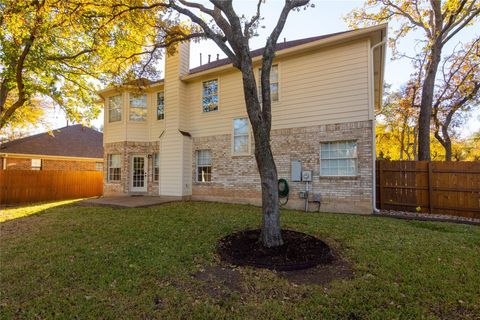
[{"x": 71, "y": 141}]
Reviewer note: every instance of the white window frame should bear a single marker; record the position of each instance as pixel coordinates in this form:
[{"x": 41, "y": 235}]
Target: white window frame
[
  {"x": 133, "y": 94},
  {"x": 278, "y": 83},
  {"x": 156, "y": 106},
  {"x": 120, "y": 108},
  {"x": 98, "y": 166},
  {"x": 109, "y": 167},
  {"x": 248, "y": 152},
  {"x": 197, "y": 165},
  {"x": 218, "y": 95},
  {"x": 37, "y": 164},
  {"x": 353, "y": 157}
]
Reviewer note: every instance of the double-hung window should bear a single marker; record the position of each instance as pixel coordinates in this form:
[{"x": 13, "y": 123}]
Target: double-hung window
[
  {"x": 36, "y": 164},
  {"x": 114, "y": 167},
  {"x": 204, "y": 165},
  {"x": 210, "y": 96},
  {"x": 138, "y": 107},
  {"x": 241, "y": 138},
  {"x": 338, "y": 158},
  {"x": 115, "y": 108},
  {"x": 160, "y": 106},
  {"x": 156, "y": 166},
  {"x": 273, "y": 83}
]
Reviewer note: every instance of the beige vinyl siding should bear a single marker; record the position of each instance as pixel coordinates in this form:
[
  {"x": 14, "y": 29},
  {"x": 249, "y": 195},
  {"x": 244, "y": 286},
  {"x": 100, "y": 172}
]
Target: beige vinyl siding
[
  {"x": 329, "y": 85},
  {"x": 172, "y": 149}
]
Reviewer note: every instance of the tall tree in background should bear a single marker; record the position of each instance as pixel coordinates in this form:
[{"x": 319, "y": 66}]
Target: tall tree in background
[
  {"x": 59, "y": 51},
  {"x": 440, "y": 21},
  {"x": 457, "y": 93},
  {"x": 399, "y": 113}
]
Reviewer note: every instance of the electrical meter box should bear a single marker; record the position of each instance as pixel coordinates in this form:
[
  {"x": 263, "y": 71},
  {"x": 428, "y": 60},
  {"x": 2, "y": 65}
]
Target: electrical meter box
[
  {"x": 307, "y": 176},
  {"x": 296, "y": 170}
]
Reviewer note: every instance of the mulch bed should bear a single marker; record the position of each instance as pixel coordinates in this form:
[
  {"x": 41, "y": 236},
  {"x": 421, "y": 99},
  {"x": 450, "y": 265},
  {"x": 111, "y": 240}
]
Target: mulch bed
[{"x": 299, "y": 251}]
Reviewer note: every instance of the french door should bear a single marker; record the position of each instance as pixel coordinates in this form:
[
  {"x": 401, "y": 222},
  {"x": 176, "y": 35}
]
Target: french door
[{"x": 139, "y": 174}]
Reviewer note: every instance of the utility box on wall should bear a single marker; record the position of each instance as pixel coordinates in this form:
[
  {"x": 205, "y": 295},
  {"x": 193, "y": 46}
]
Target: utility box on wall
[
  {"x": 296, "y": 170},
  {"x": 307, "y": 176}
]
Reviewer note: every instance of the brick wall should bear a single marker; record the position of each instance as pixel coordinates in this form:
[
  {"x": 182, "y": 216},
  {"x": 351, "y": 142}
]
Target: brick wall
[
  {"x": 126, "y": 150},
  {"x": 49, "y": 164},
  {"x": 18, "y": 164},
  {"x": 68, "y": 165},
  {"x": 236, "y": 179}
]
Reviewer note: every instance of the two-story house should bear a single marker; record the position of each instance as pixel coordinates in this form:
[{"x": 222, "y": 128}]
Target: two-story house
[{"x": 188, "y": 135}]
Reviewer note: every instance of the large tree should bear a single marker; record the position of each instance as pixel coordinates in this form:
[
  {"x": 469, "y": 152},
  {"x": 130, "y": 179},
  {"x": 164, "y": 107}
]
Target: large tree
[
  {"x": 60, "y": 51},
  {"x": 440, "y": 21},
  {"x": 457, "y": 93},
  {"x": 232, "y": 32}
]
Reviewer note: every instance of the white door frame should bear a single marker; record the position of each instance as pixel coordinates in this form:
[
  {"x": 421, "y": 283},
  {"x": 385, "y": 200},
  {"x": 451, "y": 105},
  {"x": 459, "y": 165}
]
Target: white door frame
[{"x": 143, "y": 188}]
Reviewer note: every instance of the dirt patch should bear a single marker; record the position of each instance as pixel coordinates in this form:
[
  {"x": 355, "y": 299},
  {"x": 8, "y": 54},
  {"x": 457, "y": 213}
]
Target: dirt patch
[
  {"x": 220, "y": 281},
  {"x": 299, "y": 251},
  {"x": 321, "y": 275},
  {"x": 21, "y": 226}
]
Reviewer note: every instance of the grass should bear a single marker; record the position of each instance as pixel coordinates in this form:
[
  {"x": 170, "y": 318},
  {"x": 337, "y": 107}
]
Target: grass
[{"x": 97, "y": 262}]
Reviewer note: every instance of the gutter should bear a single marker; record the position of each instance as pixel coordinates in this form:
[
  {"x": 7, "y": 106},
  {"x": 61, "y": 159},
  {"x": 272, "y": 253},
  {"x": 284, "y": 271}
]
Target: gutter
[
  {"x": 47, "y": 157},
  {"x": 380, "y": 45}
]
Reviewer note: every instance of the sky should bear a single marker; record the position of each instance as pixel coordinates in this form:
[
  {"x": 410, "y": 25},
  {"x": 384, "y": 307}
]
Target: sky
[{"x": 326, "y": 17}]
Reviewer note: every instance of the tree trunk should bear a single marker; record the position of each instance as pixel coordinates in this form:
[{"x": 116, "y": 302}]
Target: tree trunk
[
  {"x": 271, "y": 235},
  {"x": 426, "y": 103},
  {"x": 447, "y": 145}
]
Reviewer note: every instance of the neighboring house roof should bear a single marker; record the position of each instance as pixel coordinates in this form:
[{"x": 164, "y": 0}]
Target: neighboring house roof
[
  {"x": 72, "y": 141},
  {"x": 259, "y": 52}
]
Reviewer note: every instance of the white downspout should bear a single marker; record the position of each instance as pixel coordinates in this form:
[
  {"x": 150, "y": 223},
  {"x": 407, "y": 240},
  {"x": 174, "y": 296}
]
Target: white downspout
[{"x": 372, "y": 107}]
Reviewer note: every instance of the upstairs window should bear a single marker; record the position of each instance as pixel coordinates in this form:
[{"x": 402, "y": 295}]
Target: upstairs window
[
  {"x": 160, "y": 106},
  {"x": 210, "y": 96},
  {"x": 138, "y": 107},
  {"x": 204, "y": 165},
  {"x": 36, "y": 164},
  {"x": 115, "y": 108},
  {"x": 241, "y": 136},
  {"x": 273, "y": 83},
  {"x": 338, "y": 159},
  {"x": 114, "y": 167},
  {"x": 156, "y": 166}
]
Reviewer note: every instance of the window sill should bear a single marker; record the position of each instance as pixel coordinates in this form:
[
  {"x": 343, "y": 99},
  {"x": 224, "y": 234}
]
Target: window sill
[
  {"x": 340, "y": 177},
  {"x": 199, "y": 183},
  {"x": 114, "y": 181},
  {"x": 246, "y": 154}
]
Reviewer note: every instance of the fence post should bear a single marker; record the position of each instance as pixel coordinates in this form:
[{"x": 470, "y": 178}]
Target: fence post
[{"x": 430, "y": 187}]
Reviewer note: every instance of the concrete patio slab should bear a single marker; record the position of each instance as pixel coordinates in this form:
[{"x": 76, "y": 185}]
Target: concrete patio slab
[{"x": 129, "y": 201}]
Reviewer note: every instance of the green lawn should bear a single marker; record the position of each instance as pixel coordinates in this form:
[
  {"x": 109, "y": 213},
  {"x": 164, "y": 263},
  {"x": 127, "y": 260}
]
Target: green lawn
[{"x": 94, "y": 262}]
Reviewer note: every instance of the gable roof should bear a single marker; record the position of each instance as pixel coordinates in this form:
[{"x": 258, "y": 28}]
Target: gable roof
[
  {"x": 71, "y": 141},
  {"x": 259, "y": 52}
]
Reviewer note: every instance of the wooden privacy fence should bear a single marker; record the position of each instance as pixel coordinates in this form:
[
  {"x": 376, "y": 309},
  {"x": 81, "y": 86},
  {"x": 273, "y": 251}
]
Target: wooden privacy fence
[
  {"x": 24, "y": 186},
  {"x": 451, "y": 188}
]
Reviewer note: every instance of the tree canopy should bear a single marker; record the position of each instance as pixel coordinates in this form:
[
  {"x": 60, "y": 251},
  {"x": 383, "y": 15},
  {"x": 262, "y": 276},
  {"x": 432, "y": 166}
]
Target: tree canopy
[{"x": 63, "y": 50}]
